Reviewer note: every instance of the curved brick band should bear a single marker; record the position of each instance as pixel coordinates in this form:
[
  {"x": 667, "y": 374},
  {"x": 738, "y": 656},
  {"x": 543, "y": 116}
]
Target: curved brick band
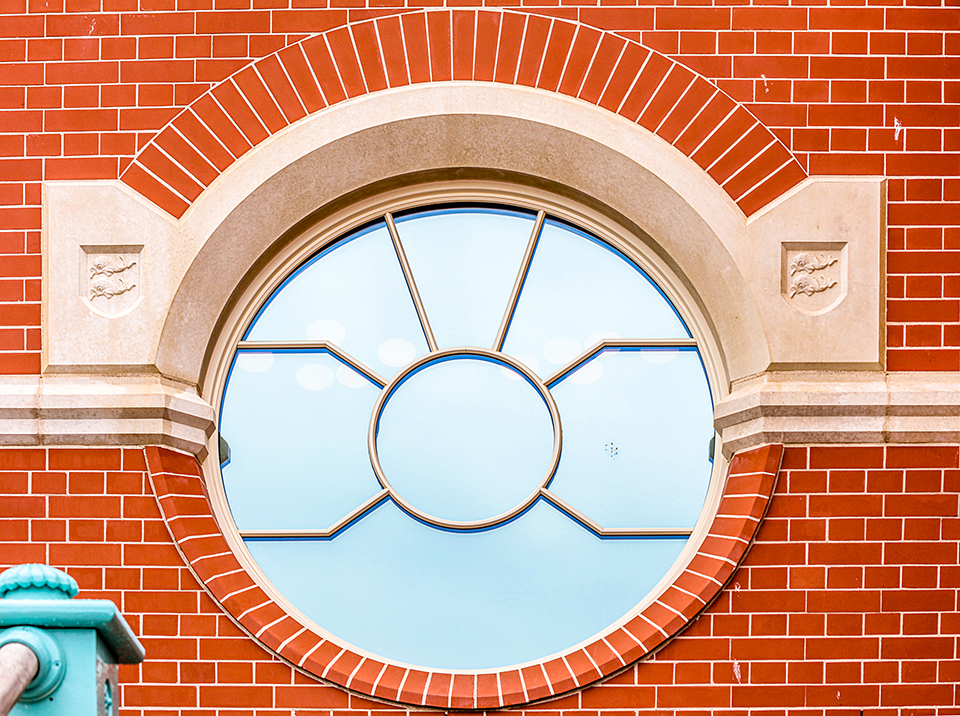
[
  {"x": 557, "y": 55},
  {"x": 180, "y": 491}
]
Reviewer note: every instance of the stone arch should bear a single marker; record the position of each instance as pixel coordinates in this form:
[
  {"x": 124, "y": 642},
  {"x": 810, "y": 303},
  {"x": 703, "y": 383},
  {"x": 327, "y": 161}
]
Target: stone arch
[{"x": 721, "y": 136}]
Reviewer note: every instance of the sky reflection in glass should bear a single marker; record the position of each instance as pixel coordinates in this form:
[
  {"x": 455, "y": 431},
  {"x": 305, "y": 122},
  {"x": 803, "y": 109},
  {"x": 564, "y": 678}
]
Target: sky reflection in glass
[
  {"x": 636, "y": 439},
  {"x": 578, "y": 292},
  {"x": 296, "y": 423},
  {"x": 474, "y": 600},
  {"x": 465, "y": 261},
  {"x": 465, "y": 439},
  {"x": 354, "y": 296}
]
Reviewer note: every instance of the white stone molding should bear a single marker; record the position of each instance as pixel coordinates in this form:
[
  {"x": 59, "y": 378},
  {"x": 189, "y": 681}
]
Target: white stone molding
[
  {"x": 109, "y": 410},
  {"x": 111, "y": 283},
  {"x": 793, "y": 408},
  {"x": 840, "y": 407},
  {"x": 190, "y": 269},
  {"x": 541, "y": 138},
  {"x": 827, "y": 313},
  {"x": 193, "y": 275},
  {"x": 84, "y": 221}
]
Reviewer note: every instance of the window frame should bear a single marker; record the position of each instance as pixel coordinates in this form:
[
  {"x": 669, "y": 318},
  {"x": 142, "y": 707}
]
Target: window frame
[{"x": 299, "y": 246}]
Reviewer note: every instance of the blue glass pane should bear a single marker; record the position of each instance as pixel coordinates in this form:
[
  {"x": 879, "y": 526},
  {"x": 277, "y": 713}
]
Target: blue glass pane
[
  {"x": 297, "y": 426},
  {"x": 354, "y": 296},
  {"x": 457, "y": 600},
  {"x": 465, "y": 262},
  {"x": 579, "y": 292},
  {"x": 465, "y": 439},
  {"x": 636, "y": 431}
]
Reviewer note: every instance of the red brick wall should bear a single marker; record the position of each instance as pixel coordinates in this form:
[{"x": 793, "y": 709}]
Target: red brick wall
[
  {"x": 744, "y": 157},
  {"x": 177, "y": 483},
  {"x": 847, "y": 599},
  {"x": 86, "y": 84}
]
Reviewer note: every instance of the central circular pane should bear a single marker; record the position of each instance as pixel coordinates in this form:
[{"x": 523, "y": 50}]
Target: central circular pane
[
  {"x": 354, "y": 377},
  {"x": 465, "y": 439}
]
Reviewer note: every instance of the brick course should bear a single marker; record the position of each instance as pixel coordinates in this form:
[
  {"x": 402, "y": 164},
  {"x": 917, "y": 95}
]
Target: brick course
[
  {"x": 181, "y": 495},
  {"x": 847, "y": 599},
  {"x": 855, "y": 607},
  {"x": 742, "y": 155},
  {"x": 865, "y": 89}
]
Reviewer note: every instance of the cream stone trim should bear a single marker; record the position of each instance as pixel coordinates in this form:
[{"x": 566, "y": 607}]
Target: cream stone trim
[
  {"x": 81, "y": 215},
  {"x": 191, "y": 268},
  {"x": 840, "y": 407},
  {"x": 840, "y": 223},
  {"x": 446, "y": 130},
  {"x": 108, "y": 410},
  {"x": 793, "y": 408},
  {"x": 729, "y": 273}
]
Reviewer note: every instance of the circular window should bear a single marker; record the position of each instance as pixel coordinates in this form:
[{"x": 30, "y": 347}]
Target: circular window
[{"x": 466, "y": 437}]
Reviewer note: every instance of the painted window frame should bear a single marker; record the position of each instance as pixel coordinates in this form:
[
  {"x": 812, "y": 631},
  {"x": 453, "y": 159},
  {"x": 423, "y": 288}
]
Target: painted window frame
[{"x": 318, "y": 236}]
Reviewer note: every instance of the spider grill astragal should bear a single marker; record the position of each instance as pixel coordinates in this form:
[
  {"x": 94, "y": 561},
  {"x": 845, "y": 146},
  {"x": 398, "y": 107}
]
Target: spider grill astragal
[{"x": 421, "y": 420}]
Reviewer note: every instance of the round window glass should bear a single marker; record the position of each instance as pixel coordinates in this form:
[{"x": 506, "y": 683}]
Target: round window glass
[{"x": 466, "y": 437}]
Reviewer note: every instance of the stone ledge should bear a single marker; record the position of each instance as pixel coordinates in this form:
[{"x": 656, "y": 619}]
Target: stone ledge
[
  {"x": 840, "y": 407},
  {"x": 786, "y": 407},
  {"x": 103, "y": 410}
]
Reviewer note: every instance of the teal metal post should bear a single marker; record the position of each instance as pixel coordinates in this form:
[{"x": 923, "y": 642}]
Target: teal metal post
[{"x": 78, "y": 644}]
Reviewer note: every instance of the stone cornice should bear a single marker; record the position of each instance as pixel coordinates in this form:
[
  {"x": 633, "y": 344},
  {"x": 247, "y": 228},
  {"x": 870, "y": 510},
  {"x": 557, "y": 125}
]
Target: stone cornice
[
  {"x": 771, "y": 408},
  {"x": 103, "y": 410},
  {"x": 840, "y": 407}
]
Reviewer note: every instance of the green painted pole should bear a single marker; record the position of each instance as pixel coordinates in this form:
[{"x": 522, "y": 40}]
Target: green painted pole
[{"x": 59, "y": 655}]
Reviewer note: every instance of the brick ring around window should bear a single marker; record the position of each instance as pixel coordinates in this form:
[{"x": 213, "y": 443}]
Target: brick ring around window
[
  {"x": 467, "y": 455},
  {"x": 180, "y": 490}
]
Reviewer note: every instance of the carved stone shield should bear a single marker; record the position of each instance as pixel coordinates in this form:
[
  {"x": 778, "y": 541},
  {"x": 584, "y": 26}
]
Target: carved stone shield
[
  {"x": 813, "y": 275},
  {"x": 110, "y": 278}
]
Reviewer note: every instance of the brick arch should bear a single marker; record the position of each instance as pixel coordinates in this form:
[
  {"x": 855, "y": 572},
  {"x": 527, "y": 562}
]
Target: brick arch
[
  {"x": 659, "y": 94},
  {"x": 178, "y": 484}
]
